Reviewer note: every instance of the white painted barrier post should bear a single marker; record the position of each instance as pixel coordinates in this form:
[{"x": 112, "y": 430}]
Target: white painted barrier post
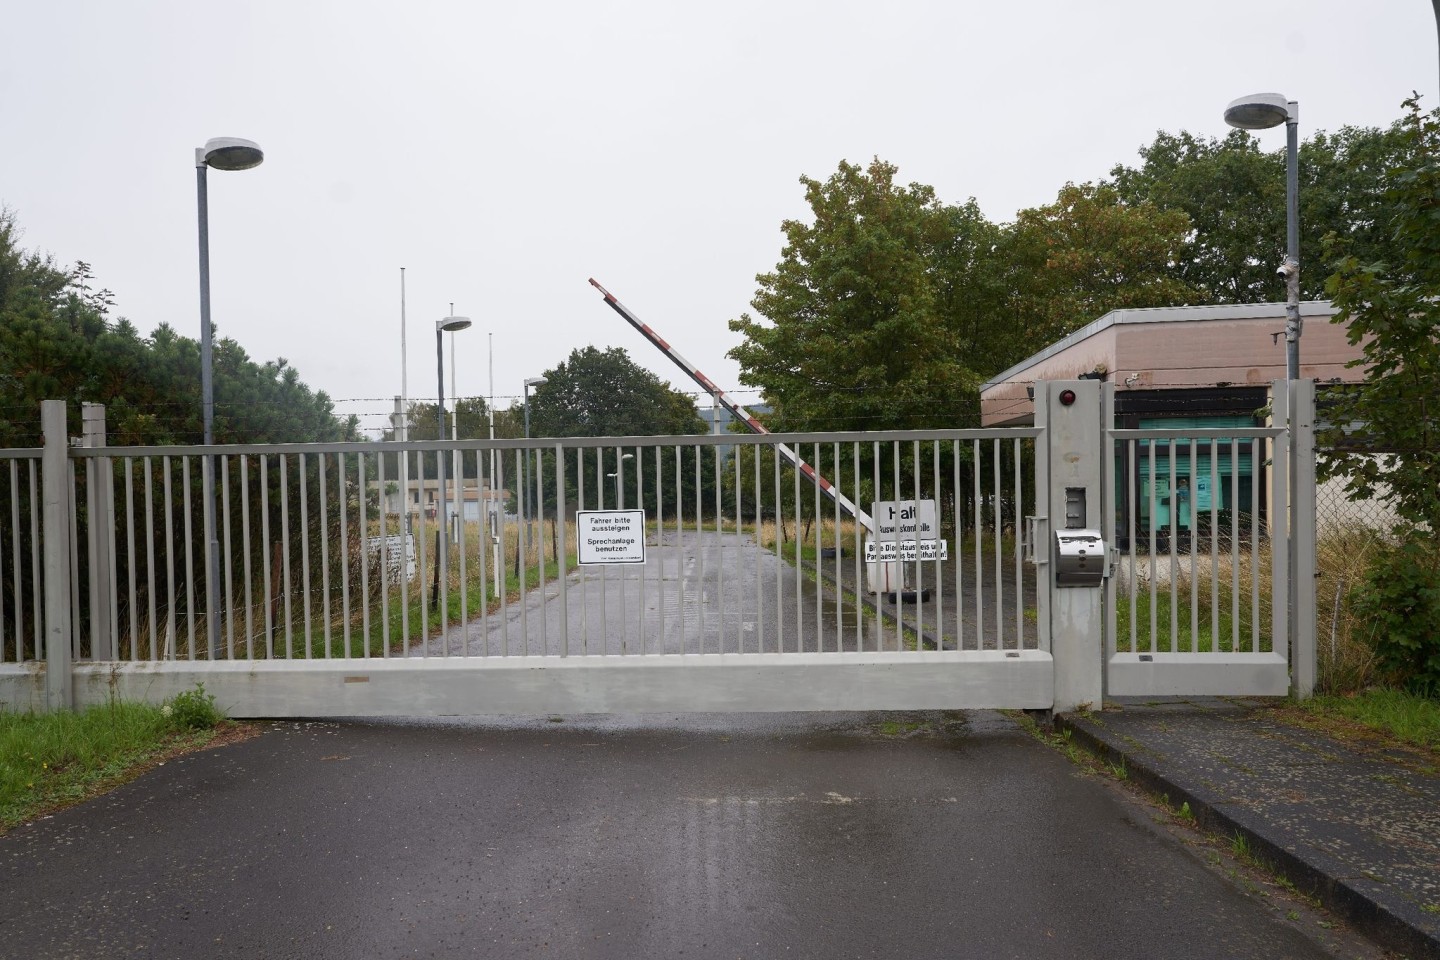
[
  {"x": 1070, "y": 412},
  {"x": 55, "y": 517}
]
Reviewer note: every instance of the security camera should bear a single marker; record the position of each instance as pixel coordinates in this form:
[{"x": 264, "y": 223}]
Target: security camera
[{"x": 1287, "y": 268}]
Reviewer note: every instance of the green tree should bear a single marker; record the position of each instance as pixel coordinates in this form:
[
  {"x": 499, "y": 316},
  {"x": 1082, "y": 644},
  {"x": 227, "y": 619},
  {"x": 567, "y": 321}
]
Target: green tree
[
  {"x": 1384, "y": 434},
  {"x": 1234, "y": 195},
  {"x": 1391, "y": 307},
  {"x": 603, "y": 393},
  {"x": 852, "y": 328},
  {"x": 1086, "y": 254}
]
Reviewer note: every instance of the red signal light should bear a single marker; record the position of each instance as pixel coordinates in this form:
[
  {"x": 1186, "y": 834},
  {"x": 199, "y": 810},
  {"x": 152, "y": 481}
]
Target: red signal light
[{"x": 1067, "y": 397}]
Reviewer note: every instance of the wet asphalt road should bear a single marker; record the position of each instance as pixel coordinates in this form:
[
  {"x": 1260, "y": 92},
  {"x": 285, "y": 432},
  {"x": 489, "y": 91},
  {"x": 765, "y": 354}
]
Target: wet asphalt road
[
  {"x": 819, "y": 835},
  {"x": 710, "y": 592}
]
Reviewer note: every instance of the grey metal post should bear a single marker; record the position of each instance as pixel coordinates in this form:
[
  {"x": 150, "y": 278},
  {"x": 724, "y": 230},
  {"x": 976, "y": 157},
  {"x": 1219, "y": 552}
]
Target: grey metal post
[
  {"x": 440, "y": 462},
  {"x": 1073, "y": 434},
  {"x": 55, "y": 516},
  {"x": 207, "y": 409},
  {"x": 1292, "y": 242},
  {"x": 1302, "y": 536},
  {"x": 99, "y": 496},
  {"x": 525, "y": 469}
]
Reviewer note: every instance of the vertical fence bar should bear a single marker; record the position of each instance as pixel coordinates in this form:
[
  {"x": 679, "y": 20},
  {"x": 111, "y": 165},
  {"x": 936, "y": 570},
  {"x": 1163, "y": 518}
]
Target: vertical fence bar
[
  {"x": 1194, "y": 530},
  {"x": 229, "y": 559},
  {"x": 37, "y": 621},
  {"x": 77, "y": 632},
  {"x": 169, "y": 561},
  {"x": 563, "y": 553},
  {"x": 403, "y": 565},
  {"x": 422, "y": 544},
  {"x": 799, "y": 596},
  {"x": 1236, "y": 547},
  {"x": 189, "y": 562},
  {"x": 759, "y": 543},
  {"x": 739, "y": 542},
  {"x": 959, "y": 517},
  {"x": 620, "y": 505},
  {"x": 700, "y": 545},
  {"x": 500, "y": 571},
  {"x": 919, "y": 564},
  {"x": 343, "y": 549},
  {"x": 719, "y": 549},
  {"x": 14, "y": 537},
  {"x": 521, "y": 455},
  {"x": 1132, "y": 490},
  {"x": 265, "y": 563},
  {"x": 442, "y": 550},
  {"x": 1154, "y": 641},
  {"x": 997, "y": 489},
  {"x": 838, "y": 540},
  {"x": 326, "y": 601},
  {"x": 1255, "y": 570},
  {"x": 819, "y": 555},
  {"x": 15, "y": 562},
  {"x": 540, "y": 546},
  {"x": 1174, "y": 549},
  {"x": 978, "y": 525},
  {"x": 1019, "y": 549},
  {"x": 285, "y": 556},
  {"x": 130, "y": 558},
  {"x": 483, "y": 553},
  {"x": 660, "y": 540},
  {"x": 1213, "y": 485},
  {"x": 604, "y": 568},
  {"x": 899, "y": 588},
  {"x": 409, "y": 541},
  {"x": 882, "y": 579},
  {"x": 112, "y": 572},
  {"x": 779, "y": 561},
  {"x": 361, "y": 535},
  {"x": 680, "y": 547},
  {"x": 861, "y": 585},
  {"x": 460, "y": 537},
  {"x": 640, "y": 505},
  {"x": 305, "y": 553}
]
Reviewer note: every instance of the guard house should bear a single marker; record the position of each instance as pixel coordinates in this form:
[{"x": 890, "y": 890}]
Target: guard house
[{"x": 1209, "y": 367}]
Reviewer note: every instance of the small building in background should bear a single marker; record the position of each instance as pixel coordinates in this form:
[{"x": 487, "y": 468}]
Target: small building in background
[{"x": 1206, "y": 367}]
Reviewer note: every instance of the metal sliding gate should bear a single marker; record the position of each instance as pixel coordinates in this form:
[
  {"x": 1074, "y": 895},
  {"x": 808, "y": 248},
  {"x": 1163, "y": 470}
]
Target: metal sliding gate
[
  {"x": 635, "y": 574},
  {"x": 1213, "y": 583}
]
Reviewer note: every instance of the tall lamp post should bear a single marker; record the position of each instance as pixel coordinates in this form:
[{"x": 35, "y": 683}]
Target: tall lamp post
[
  {"x": 619, "y": 476},
  {"x": 1261, "y": 111},
  {"x": 525, "y": 461},
  {"x": 443, "y": 325},
  {"x": 222, "y": 153}
]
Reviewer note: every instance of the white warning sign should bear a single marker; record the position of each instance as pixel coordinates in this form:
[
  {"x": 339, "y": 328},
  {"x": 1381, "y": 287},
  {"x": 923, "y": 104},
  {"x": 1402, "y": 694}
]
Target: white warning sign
[{"x": 611, "y": 536}]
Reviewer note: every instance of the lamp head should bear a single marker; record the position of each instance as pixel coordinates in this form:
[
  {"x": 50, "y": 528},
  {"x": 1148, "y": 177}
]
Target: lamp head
[
  {"x": 1259, "y": 111},
  {"x": 230, "y": 153},
  {"x": 451, "y": 324},
  {"x": 535, "y": 381}
]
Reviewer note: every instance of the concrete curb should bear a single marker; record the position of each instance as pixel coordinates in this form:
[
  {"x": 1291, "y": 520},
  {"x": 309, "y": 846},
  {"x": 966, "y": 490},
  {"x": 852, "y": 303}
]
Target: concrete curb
[{"x": 1310, "y": 870}]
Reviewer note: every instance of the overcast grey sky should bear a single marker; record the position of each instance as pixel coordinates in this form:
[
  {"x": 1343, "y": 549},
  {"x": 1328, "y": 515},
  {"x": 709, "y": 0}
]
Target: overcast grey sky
[{"x": 504, "y": 153}]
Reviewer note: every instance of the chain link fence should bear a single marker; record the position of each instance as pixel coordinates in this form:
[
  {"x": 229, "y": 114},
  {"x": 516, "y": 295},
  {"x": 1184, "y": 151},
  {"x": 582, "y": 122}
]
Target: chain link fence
[{"x": 1349, "y": 533}]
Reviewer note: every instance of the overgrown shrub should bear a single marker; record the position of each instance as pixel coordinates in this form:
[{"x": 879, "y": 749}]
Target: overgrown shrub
[
  {"x": 192, "y": 710},
  {"x": 1399, "y": 599}
]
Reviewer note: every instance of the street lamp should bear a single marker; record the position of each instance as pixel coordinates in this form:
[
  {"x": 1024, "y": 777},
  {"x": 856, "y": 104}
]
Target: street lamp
[
  {"x": 1261, "y": 111},
  {"x": 619, "y": 476},
  {"x": 525, "y": 461},
  {"x": 222, "y": 153},
  {"x": 450, "y": 324}
]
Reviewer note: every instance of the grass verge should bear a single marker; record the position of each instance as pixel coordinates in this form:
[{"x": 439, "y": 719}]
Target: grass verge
[
  {"x": 1379, "y": 713},
  {"x": 53, "y": 760}
]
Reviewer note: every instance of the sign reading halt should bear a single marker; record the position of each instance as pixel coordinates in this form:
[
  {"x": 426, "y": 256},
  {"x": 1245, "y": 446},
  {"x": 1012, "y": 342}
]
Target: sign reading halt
[{"x": 611, "y": 536}]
